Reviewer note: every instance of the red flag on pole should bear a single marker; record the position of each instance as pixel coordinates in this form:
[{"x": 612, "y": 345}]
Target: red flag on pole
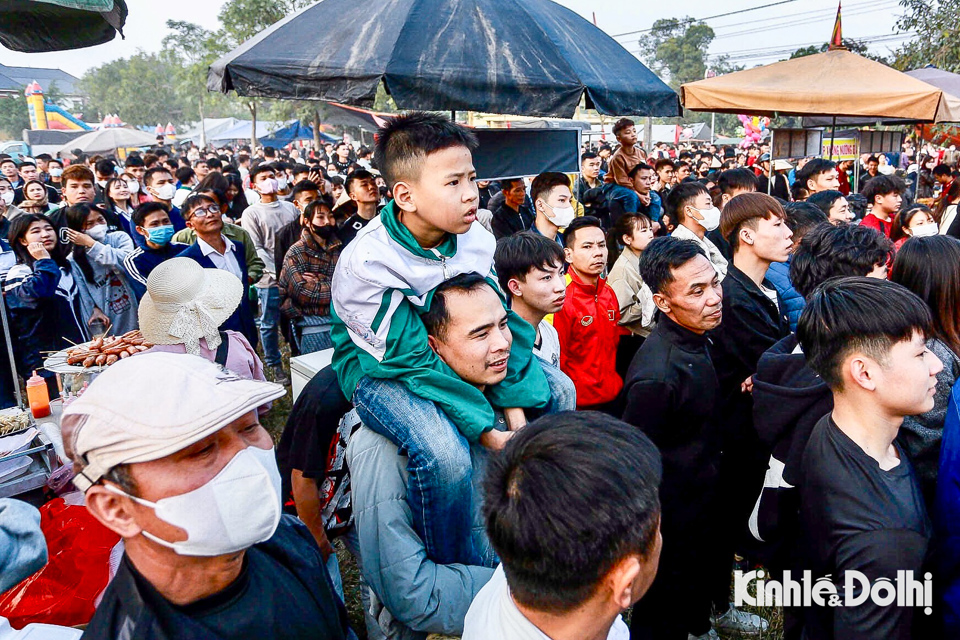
[
  {"x": 836, "y": 38},
  {"x": 594, "y": 18}
]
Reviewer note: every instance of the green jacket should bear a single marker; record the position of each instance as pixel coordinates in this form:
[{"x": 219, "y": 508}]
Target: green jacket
[{"x": 383, "y": 282}]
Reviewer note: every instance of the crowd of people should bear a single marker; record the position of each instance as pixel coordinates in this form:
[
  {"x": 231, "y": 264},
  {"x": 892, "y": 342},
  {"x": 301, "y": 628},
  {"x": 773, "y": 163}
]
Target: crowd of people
[{"x": 551, "y": 400}]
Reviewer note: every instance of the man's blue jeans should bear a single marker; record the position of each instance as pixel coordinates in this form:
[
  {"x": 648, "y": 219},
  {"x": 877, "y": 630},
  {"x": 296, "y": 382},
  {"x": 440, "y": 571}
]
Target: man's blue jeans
[
  {"x": 269, "y": 298},
  {"x": 438, "y": 459}
]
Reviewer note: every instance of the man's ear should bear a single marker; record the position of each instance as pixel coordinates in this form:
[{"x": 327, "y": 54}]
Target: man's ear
[
  {"x": 862, "y": 370},
  {"x": 513, "y": 286},
  {"x": 724, "y": 199},
  {"x": 403, "y": 197},
  {"x": 568, "y": 254},
  {"x": 434, "y": 344},
  {"x": 622, "y": 581},
  {"x": 746, "y": 236},
  {"x": 662, "y": 303},
  {"x": 114, "y": 511}
]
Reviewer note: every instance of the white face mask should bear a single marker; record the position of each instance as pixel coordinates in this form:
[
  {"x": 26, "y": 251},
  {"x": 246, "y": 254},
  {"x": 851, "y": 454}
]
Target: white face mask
[
  {"x": 281, "y": 184},
  {"x": 268, "y": 186},
  {"x": 562, "y": 216},
  {"x": 133, "y": 186},
  {"x": 923, "y": 230},
  {"x": 7, "y": 197},
  {"x": 711, "y": 218},
  {"x": 56, "y": 172},
  {"x": 236, "y": 509},
  {"x": 98, "y": 232},
  {"x": 166, "y": 191}
]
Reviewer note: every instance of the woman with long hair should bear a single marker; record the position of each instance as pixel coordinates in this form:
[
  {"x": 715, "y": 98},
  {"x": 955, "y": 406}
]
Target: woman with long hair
[
  {"x": 626, "y": 240},
  {"x": 930, "y": 267},
  {"x": 41, "y": 295},
  {"x": 916, "y": 221},
  {"x": 945, "y": 213},
  {"x": 98, "y": 253},
  {"x": 120, "y": 202},
  {"x": 235, "y": 196}
]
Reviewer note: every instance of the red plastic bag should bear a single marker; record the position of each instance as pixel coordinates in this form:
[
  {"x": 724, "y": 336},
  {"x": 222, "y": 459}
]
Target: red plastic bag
[{"x": 77, "y": 572}]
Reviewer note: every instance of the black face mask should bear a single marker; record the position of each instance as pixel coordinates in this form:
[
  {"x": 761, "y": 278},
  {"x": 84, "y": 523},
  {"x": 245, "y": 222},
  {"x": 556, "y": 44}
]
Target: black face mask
[{"x": 325, "y": 232}]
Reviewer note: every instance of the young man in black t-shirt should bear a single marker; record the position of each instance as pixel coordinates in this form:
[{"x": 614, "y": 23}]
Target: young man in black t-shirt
[{"x": 860, "y": 503}]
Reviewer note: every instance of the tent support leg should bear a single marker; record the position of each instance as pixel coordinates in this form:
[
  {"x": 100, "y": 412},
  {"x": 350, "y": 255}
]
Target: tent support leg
[
  {"x": 833, "y": 134},
  {"x": 13, "y": 364},
  {"x": 453, "y": 115}
]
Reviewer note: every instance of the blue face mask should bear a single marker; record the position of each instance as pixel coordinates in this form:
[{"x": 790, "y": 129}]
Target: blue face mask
[{"x": 160, "y": 235}]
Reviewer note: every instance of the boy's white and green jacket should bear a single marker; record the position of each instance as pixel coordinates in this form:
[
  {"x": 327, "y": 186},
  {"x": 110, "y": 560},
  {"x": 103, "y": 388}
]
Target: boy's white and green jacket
[{"x": 383, "y": 281}]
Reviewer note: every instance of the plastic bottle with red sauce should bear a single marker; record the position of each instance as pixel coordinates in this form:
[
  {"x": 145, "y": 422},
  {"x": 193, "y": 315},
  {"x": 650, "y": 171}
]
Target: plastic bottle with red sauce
[{"x": 38, "y": 396}]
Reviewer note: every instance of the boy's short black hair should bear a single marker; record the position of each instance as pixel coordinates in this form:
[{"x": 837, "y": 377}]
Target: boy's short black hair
[
  {"x": 184, "y": 174},
  {"x": 195, "y": 201},
  {"x": 873, "y": 159},
  {"x": 570, "y": 234},
  {"x": 518, "y": 254},
  {"x": 881, "y": 186},
  {"x": 303, "y": 185},
  {"x": 803, "y": 216},
  {"x": 588, "y": 155},
  {"x": 814, "y": 168},
  {"x": 133, "y": 161},
  {"x": 664, "y": 255},
  {"x": 405, "y": 141},
  {"x": 621, "y": 124},
  {"x": 214, "y": 164},
  {"x": 824, "y": 200},
  {"x": 942, "y": 170},
  {"x": 359, "y": 174},
  {"x": 828, "y": 252},
  {"x": 261, "y": 168},
  {"x": 150, "y": 173},
  {"x": 140, "y": 213},
  {"x": 682, "y": 195},
  {"x": 104, "y": 167},
  {"x": 544, "y": 183},
  {"x": 664, "y": 162},
  {"x": 571, "y": 495},
  {"x": 741, "y": 179},
  {"x": 436, "y": 318},
  {"x": 637, "y": 168},
  {"x": 846, "y": 315}
]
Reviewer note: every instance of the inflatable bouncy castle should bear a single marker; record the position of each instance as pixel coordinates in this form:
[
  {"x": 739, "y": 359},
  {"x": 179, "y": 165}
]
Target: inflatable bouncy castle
[{"x": 44, "y": 115}]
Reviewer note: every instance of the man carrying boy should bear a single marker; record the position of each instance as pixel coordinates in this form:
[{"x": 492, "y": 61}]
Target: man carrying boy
[
  {"x": 588, "y": 322},
  {"x": 530, "y": 270},
  {"x": 861, "y": 508},
  {"x": 385, "y": 278},
  {"x": 672, "y": 395},
  {"x": 563, "y": 576}
]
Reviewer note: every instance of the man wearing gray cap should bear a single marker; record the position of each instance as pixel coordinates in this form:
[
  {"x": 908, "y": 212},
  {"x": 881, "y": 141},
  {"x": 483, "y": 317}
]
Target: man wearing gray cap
[{"x": 170, "y": 454}]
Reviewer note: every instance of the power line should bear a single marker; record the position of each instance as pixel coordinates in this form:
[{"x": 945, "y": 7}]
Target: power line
[
  {"x": 787, "y": 50},
  {"x": 721, "y": 15},
  {"x": 824, "y": 12},
  {"x": 804, "y": 21}
]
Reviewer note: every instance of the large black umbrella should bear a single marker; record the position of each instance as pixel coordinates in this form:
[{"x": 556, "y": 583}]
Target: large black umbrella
[
  {"x": 37, "y": 26},
  {"x": 529, "y": 57}
]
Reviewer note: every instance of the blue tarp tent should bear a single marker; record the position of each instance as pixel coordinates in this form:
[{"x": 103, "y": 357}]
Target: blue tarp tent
[{"x": 292, "y": 132}]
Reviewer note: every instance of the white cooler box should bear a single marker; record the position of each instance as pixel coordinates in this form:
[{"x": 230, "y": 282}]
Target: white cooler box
[{"x": 303, "y": 368}]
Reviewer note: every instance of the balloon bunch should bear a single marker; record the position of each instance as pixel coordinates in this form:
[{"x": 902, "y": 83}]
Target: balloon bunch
[{"x": 754, "y": 128}]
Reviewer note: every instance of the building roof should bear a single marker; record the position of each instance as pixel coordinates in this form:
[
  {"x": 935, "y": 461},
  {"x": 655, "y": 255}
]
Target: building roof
[{"x": 22, "y": 76}]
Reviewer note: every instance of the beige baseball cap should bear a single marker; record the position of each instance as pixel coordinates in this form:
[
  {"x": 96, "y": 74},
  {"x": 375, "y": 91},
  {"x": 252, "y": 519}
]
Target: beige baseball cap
[{"x": 152, "y": 405}]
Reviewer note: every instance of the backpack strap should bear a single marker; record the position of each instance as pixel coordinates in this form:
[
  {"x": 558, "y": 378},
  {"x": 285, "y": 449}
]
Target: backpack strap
[{"x": 223, "y": 349}]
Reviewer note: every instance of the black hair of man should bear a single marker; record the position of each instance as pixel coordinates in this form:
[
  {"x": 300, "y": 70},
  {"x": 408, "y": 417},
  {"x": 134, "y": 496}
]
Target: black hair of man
[
  {"x": 828, "y": 252},
  {"x": 269, "y": 152},
  {"x": 570, "y": 496},
  {"x": 27, "y": 163},
  {"x": 682, "y": 195},
  {"x": 868, "y": 315},
  {"x": 741, "y": 179},
  {"x": 140, "y": 213},
  {"x": 214, "y": 164},
  {"x": 544, "y": 183},
  {"x": 299, "y": 168},
  {"x": 824, "y": 200},
  {"x": 44, "y": 157},
  {"x": 604, "y": 147},
  {"x": 662, "y": 257},
  {"x": 588, "y": 155},
  {"x": 570, "y": 234},
  {"x": 506, "y": 184},
  {"x": 873, "y": 159},
  {"x": 184, "y": 174},
  {"x": 303, "y": 185},
  {"x": 621, "y": 124},
  {"x": 518, "y": 254},
  {"x": 243, "y": 158},
  {"x": 133, "y": 161},
  {"x": 261, "y": 168},
  {"x": 359, "y": 174},
  {"x": 148, "y": 177},
  {"x": 881, "y": 186},
  {"x": 57, "y": 160},
  {"x": 664, "y": 162},
  {"x": 195, "y": 201},
  {"x": 813, "y": 169},
  {"x": 404, "y": 143},
  {"x": 803, "y": 216},
  {"x": 942, "y": 170},
  {"x": 436, "y": 318},
  {"x": 637, "y": 168}
]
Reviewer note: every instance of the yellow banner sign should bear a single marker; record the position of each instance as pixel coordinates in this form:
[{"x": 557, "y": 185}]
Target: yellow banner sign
[{"x": 843, "y": 148}]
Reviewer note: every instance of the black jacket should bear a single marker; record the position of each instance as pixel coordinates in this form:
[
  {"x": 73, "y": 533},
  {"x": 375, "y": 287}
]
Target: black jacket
[
  {"x": 788, "y": 401},
  {"x": 671, "y": 394},
  {"x": 507, "y": 221}
]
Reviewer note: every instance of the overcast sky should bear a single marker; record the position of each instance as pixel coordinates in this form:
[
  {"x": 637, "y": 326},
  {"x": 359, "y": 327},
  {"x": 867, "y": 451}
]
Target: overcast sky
[{"x": 755, "y": 37}]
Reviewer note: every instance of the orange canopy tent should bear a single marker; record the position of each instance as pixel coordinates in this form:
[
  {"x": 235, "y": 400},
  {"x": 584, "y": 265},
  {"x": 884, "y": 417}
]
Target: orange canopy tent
[{"x": 835, "y": 83}]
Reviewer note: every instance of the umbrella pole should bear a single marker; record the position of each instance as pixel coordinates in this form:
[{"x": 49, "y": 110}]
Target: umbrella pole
[
  {"x": 453, "y": 115},
  {"x": 833, "y": 134},
  {"x": 13, "y": 364}
]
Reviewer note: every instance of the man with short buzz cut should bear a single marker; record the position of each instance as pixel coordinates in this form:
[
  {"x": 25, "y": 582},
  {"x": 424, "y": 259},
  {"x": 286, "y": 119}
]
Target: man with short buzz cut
[
  {"x": 629, "y": 155},
  {"x": 160, "y": 185},
  {"x": 861, "y": 506},
  {"x": 550, "y": 192},
  {"x": 590, "y": 175},
  {"x": 530, "y": 270},
  {"x": 562, "y": 576},
  {"x": 671, "y": 395},
  {"x": 361, "y": 187},
  {"x": 511, "y": 208},
  {"x": 8, "y": 168},
  {"x": 134, "y": 166},
  {"x": 588, "y": 324},
  {"x": 666, "y": 171},
  {"x": 171, "y": 456}
]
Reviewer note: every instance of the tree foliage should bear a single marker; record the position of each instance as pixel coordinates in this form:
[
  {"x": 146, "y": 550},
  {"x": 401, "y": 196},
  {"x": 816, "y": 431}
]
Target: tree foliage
[
  {"x": 14, "y": 117},
  {"x": 935, "y": 23},
  {"x": 141, "y": 88},
  {"x": 856, "y": 46},
  {"x": 676, "y": 49}
]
